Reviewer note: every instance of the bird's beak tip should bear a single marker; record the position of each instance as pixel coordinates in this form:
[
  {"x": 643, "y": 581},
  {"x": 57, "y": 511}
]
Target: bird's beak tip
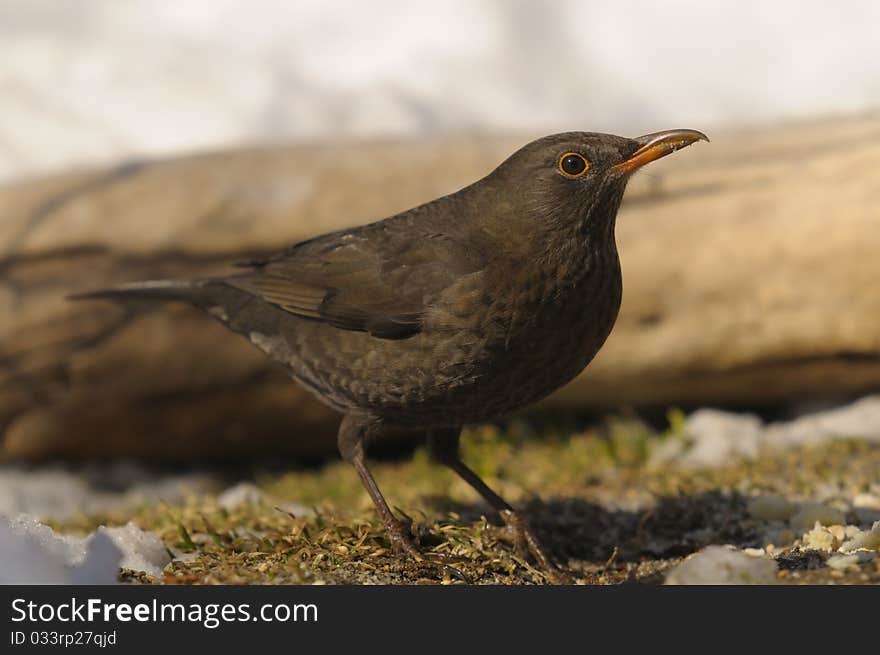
[{"x": 657, "y": 145}]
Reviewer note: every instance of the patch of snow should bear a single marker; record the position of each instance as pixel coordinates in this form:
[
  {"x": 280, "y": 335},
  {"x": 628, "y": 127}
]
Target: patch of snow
[
  {"x": 101, "y": 562},
  {"x": 142, "y": 550},
  {"x": 858, "y": 419},
  {"x": 56, "y": 492},
  {"x": 33, "y": 553},
  {"x": 84, "y": 82},
  {"x": 715, "y": 437}
]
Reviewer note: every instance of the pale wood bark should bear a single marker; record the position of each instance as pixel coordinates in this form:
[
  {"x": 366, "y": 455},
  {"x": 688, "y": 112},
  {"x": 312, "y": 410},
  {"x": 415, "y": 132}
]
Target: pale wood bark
[{"x": 751, "y": 275}]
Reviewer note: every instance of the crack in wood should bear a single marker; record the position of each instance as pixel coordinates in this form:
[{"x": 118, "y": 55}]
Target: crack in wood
[{"x": 53, "y": 204}]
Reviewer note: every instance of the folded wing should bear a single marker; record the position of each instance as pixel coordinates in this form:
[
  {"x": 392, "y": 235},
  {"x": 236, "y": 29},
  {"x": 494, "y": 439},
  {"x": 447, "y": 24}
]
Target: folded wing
[{"x": 376, "y": 279}]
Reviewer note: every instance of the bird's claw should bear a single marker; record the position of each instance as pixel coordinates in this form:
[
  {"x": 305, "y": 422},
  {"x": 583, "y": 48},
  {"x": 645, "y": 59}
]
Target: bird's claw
[
  {"x": 402, "y": 543},
  {"x": 444, "y": 562},
  {"x": 524, "y": 541}
]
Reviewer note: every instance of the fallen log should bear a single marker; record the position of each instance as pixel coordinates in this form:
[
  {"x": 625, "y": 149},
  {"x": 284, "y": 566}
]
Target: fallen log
[{"x": 750, "y": 275}]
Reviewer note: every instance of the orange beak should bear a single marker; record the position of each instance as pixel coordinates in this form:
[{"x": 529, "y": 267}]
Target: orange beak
[{"x": 657, "y": 145}]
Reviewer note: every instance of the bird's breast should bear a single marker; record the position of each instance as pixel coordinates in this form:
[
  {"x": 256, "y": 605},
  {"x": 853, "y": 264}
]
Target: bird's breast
[
  {"x": 556, "y": 328},
  {"x": 531, "y": 329}
]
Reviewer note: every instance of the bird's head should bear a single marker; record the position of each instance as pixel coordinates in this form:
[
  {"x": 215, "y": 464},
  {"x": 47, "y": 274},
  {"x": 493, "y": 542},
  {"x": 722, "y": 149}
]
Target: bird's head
[{"x": 579, "y": 177}]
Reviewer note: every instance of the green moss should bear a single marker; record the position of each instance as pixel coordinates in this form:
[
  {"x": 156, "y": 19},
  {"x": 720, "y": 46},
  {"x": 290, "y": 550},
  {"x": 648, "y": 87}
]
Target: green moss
[{"x": 606, "y": 511}]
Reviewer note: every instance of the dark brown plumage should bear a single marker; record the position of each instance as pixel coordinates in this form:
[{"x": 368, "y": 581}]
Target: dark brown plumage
[{"x": 459, "y": 310}]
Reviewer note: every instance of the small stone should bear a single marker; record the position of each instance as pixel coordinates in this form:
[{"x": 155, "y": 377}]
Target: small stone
[
  {"x": 801, "y": 559},
  {"x": 241, "y": 494},
  {"x": 820, "y": 538},
  {"x": 838, "y": 531},
  {"x": 722, "y": 565},
  {"x": 866, "y": 514},
  {"x": 810, "y": 514},
  {"x": 841, "y": 562},
  {"x": 867, "y": 501},
  {"x": 297, "y": 509},
  {"x": 770, "y": 508},
  {"x": 779, "y": 537},
  {"x": 864, "y": 540}
]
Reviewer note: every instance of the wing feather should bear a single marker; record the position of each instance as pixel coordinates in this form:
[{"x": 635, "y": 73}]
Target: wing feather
[{"x": 375, "y": 279}]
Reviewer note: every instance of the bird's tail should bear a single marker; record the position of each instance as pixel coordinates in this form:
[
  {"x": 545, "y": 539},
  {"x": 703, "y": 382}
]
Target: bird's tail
[{"x": 157, "y": 290}]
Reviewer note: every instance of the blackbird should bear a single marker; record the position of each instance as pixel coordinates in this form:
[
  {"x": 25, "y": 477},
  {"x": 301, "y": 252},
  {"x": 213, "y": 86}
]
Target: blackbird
[{"x": 456, "y": 311}]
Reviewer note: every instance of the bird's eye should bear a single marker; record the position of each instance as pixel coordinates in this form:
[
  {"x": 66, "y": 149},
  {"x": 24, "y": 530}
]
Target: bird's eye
[{"x": 571, "y": 164}]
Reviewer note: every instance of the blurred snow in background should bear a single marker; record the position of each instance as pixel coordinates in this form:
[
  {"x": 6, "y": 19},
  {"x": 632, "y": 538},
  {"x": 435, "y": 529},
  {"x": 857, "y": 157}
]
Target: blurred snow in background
[{"x": 93, "y": 81}]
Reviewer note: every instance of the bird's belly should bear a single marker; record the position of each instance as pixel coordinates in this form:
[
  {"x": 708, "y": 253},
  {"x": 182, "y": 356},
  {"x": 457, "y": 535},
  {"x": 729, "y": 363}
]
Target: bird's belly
[
  {"x": 420, "y": 380},
  {"x": 478, "y": 370},
  {"x": 458, "y": 377}
]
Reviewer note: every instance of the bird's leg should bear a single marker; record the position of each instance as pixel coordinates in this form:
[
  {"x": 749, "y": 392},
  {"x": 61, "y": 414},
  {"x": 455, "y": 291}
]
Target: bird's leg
[
  {"x": 352, "y": 434},
  {"x": 443, "y": 445}
]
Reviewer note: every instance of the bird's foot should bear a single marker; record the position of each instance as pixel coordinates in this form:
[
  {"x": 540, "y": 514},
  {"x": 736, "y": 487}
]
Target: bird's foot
[
  {"x": 402, "y": 543},
  {"x": 525, "y": 541}
]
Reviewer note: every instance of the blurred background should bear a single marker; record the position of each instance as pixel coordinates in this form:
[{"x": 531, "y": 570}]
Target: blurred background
[
  {"x": 153, "y": 139},
  {"x": 90, "y": 82}
]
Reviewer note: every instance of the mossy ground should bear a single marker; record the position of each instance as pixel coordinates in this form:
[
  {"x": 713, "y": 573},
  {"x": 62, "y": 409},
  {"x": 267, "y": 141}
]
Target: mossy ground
[{"x": 594, "y": 498}]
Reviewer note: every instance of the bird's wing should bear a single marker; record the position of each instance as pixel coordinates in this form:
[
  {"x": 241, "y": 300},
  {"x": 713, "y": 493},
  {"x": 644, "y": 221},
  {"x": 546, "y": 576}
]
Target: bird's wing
[{"x": 378, "y": 279}]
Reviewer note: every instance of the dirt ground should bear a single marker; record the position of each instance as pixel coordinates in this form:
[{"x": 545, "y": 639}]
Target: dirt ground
[{"x": 603, "y": 507}]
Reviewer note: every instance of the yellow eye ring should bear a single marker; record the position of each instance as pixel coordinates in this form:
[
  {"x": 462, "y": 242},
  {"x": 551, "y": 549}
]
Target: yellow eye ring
[{"x": 572, "y": 165}]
